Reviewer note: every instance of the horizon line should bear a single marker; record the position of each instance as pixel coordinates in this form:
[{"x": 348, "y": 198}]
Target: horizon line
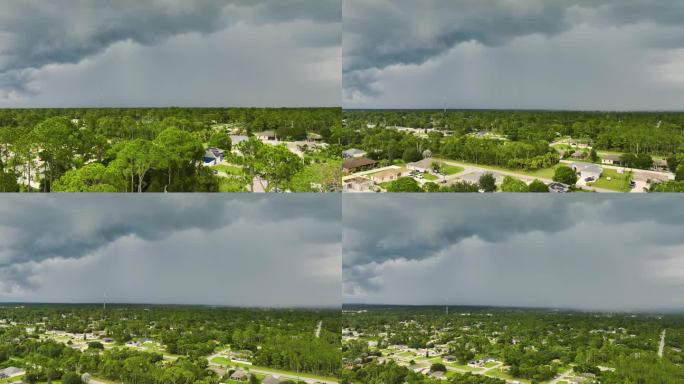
[
  {"x": 519, "y": 109},
  {"x": 523, "y": 307},
  {"x": 176, "y": 107},
  {"x": 119, "y": 303}
]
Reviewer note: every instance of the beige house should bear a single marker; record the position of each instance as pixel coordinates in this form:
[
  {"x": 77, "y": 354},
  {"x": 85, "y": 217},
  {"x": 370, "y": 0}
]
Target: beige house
[
  {"x": 266, "y": 136},
  {"x": 357, "y": 184},
  {"x": 388, "y": 174}
]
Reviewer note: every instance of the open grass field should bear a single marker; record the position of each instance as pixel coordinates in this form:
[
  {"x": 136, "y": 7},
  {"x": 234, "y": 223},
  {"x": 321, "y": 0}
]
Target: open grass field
[
  {"x": 228, "y": 169},
  {"x": 618, "y": 182},
  {"x": 451, "y": 169}
]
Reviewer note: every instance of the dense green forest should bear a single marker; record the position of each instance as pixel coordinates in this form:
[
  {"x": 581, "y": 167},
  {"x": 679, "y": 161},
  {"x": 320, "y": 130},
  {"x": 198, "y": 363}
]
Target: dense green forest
[
  {"x": 379, "y": 343},
  {"x": 659, "y": 133},
  {"x": 162, "y": 344},
  {"x": 162, "y": 149}
]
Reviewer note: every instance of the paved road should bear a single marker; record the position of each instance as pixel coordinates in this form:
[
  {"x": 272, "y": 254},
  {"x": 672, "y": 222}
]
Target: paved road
[
  {"x": 469, "y": 168},
  {"x": 661, "y": 347},
  {"x": 318, "y": 329}
]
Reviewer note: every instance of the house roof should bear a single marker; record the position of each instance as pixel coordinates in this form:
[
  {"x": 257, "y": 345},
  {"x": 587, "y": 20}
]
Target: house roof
[
  {"x": 210, "y": 155},
  {"x": 611, "y": 157},
  {"x": 357, "y": 162},
  {"x": 587, "y": 167},
  {"x": 357, "y": 180},
  {"x": 386, "y": 172},
  {"x": 239, "y": 374},
  {"x": 216, "y": 151},
  {"x": 354, "y": 152},
  {"x": 271, "y": 380},
  {"x": 425, "y": 163}
]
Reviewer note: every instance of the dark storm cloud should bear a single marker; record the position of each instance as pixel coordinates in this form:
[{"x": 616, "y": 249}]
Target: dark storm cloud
[
  {"x": 35, "y": 34},
  {"x": 245, "y": 250},
  {"x": 385, "y": 231},
  {"x": 36, "y": 229},
  {"x": 382, "y": 34}
]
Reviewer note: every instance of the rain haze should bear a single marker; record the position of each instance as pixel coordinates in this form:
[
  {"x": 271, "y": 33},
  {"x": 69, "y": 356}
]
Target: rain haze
[
  {"x": 243, "y": 250},
  {"x": 577, "y": 252},
  {"x": 130, "y": 53},
  {"x": 514, "y": 54}
]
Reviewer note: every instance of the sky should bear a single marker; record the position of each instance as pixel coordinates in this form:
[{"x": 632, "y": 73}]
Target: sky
[
  {"x": 514, "y": 54},
  {"x": 588, "y": 251},
  {"x": 131, "y": 53},
  {"x": 213, "y": 249}
]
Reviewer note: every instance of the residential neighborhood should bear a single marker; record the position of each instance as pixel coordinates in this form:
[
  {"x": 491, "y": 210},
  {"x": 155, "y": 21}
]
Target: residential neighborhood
[
  {"x": 113, "y": 347},
  {"x": 431, "y": 344},
  {"x": 448, "y": 155}
]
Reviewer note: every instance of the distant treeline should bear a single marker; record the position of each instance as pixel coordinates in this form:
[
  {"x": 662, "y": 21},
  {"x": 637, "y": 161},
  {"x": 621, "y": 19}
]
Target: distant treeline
[{"x": 659, "y": 133}]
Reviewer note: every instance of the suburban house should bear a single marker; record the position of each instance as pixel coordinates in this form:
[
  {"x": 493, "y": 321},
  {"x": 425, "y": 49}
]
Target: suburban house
[
  {"x": 237, "y": 139},
  {"x": 659, "y": 165},
  {"x": 424, "y": 165},
  {"x": 357, "y": 184},
  {"x": 357, "y": 164},
  {"x": 610, "y": 159},
  {"x": 587, "y": 170},
  {"x": 387, "y": 174},
  {"x": 240, "y": 375},
  {"x": 352, "y": 153},
  {"x": 312, "y": 137},
  {"x": 266, "y": 136},
  {"x": 579, "y": 155},
  {"x": 213, "y": 156}
]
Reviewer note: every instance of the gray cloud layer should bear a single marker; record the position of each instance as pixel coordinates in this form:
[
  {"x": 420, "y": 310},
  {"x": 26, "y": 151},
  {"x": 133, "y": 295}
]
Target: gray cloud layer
[
  {"x": 503, "y": 250},
  {"x": 182, "y": 249},
  {"x": 386, "y": 41},
  {"x": 37, "y": 36}
]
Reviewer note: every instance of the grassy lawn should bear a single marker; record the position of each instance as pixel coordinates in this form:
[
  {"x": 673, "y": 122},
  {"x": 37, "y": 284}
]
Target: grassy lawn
[
  {"x": 281, "y": 372},
  {"x": 231, "y": 184},
  {"x": 463, "y": 367},
  {"x": 618, "y": 182},
  {"x": 562, "y": 147},
  {"x": 221, "y": 360},
  {"x": 430, "y": 177},
  {"x": 228, "y": 169},
  {"x": 451, "y": 169},
  {"x": 501, "y": 374},
  {"x": 12, "y": 380}
]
